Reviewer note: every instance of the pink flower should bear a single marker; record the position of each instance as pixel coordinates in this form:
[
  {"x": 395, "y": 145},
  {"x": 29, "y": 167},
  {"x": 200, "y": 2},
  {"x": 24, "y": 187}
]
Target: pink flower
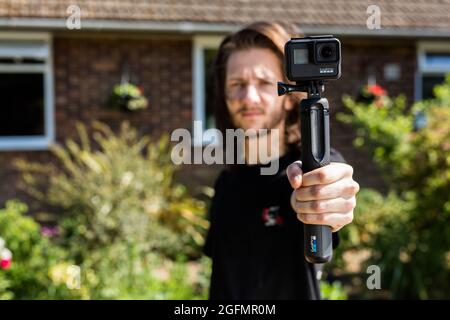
[
  {"x": 5, "y": 264},
  {"x": 5, "y": 259},
  {"x": 49, "y": 232}
]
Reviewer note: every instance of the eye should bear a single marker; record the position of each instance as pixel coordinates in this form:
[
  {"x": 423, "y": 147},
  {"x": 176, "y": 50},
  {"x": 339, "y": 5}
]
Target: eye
[
  {"x": 266, "y": 82},
  {"x": 236, "y": 84}
]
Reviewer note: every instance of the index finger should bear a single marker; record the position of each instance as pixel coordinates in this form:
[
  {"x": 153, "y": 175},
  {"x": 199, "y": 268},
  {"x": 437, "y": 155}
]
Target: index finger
[{"x": 328, "y": 174}]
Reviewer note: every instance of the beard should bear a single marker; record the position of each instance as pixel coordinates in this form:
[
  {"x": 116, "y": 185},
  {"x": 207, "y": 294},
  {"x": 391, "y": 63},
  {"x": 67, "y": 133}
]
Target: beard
[{"x": 272, "y": 120}]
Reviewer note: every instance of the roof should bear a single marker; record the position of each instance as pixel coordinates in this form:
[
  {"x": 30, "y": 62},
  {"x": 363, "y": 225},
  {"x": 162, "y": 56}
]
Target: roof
[{"x": 426, "y": 15}]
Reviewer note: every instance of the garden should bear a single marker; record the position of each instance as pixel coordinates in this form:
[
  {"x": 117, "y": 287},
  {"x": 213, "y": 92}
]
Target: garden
[{"x": 112, "y": 222}]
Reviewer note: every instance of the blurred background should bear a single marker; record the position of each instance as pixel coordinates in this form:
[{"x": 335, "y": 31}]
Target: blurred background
[{"x": 92, "y": 206}]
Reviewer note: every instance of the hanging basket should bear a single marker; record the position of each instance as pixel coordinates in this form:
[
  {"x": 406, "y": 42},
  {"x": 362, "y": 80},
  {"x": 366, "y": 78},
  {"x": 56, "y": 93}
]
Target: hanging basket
[{"x": 128, "y": 97}]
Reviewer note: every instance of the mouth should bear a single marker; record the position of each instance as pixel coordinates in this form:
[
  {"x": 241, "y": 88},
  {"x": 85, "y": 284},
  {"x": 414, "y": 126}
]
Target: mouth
[{"x": 249, "y": 114}]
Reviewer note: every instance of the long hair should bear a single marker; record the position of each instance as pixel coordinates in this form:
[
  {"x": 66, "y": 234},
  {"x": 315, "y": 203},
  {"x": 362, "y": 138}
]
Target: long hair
[{"x": 264, "y": 35}]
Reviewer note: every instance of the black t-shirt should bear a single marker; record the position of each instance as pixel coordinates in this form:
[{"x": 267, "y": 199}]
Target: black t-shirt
[{"x": 255, "y": 239}]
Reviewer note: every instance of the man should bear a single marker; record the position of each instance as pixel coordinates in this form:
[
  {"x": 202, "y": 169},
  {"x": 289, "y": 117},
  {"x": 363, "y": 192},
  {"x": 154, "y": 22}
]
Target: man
[{"x": 256, "y": 234}]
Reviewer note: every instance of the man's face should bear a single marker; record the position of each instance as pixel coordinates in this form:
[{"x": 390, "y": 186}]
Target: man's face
[{"x": 251, "y": 89}]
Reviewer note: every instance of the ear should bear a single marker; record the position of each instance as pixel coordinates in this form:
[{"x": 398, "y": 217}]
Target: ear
[{"x": 288, "y": 104}]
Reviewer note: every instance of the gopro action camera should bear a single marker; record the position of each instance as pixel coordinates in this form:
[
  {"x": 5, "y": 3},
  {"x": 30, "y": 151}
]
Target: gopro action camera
[
  {"x": 310, "y": 62},
  {"x": 313, "y": 58}
]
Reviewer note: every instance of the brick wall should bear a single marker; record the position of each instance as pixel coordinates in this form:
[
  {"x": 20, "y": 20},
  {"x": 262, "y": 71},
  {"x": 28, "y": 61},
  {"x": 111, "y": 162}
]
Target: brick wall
[
  {"x": 85, "y": 71},
  {"x": 86, "y": 68}
]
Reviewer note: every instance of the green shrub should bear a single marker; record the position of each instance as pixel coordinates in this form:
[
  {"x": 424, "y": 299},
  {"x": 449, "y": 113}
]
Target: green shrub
[
  {"x": 383, "y": 228},
  {"x": 332, "y": 291},
  {"x": 406, "y": 231},
  {"x": 124, "y": 191},
  {"x": 121, "y": 214},
  {"x": 33, "y": 257},
  {"x": 40, "y": 269},
  {"x": 149, "y": 276},
  {"x": 383, "y": 130}
]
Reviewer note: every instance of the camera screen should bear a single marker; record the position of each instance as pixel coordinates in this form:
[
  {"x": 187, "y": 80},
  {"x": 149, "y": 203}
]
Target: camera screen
[{"x": 301, "y": 56}]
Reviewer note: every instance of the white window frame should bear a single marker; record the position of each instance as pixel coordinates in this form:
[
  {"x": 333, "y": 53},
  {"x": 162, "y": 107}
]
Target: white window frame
[
  {"x": 423, "y": 48},
  {"x": 43, "y": 142},
  {"x": 200, "y": 43}
]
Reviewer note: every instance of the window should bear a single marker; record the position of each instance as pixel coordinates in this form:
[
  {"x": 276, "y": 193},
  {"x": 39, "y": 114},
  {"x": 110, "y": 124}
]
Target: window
[
  {"x": 209, "y": 56},
  {"x": 434, "y": 64},
  {"x": 204, "y": 51},
  {"x": 26, "y": 87}
]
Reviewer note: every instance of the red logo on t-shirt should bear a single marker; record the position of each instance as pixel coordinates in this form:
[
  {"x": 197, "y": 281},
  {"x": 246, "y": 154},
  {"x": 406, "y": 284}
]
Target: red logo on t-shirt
[{"x": 271, "y": 216}]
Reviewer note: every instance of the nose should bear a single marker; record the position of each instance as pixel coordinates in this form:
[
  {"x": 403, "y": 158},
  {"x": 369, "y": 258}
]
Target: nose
[{"x": 251, "y": 95}]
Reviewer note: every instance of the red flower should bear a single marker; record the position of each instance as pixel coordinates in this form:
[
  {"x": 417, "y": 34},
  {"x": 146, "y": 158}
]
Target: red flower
[
  {"x": 5, "y": 259},
  {"x": 5, "y": 263},
  {"x": 376, "y": 90}
]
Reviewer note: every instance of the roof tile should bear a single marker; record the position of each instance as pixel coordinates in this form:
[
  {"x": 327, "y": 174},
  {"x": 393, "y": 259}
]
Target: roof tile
[{"x": 394, "y": 13}]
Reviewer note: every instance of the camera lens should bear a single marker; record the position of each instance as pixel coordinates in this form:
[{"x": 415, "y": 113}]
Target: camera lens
[{"x": 326, "y": 52}]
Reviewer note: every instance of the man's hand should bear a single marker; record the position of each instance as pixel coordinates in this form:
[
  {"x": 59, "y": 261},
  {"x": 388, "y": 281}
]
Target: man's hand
[{"x": 323, "y": 196}]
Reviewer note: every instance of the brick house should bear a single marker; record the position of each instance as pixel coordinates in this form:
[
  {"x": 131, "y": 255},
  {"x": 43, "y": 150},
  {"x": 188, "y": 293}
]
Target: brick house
[{"x": 165, "y": 47}]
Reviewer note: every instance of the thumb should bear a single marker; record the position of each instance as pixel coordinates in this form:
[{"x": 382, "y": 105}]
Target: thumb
[{"x": 294, "y": 174}]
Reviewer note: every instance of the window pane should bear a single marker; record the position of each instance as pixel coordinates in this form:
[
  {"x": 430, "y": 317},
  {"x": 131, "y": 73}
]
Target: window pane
[
  {"x": 22, "y": 104},
  {"x": 428, "y": 83},
  {"x": 37, "y": 49},
  {"x": 438, "y": 60},
  {"x": 210, "y": 55},
  {"x": 20, "y": 61}
]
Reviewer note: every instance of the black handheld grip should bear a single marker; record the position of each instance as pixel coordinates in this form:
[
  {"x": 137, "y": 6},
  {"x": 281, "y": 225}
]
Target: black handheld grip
[{"x": 315, "y": 130}]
